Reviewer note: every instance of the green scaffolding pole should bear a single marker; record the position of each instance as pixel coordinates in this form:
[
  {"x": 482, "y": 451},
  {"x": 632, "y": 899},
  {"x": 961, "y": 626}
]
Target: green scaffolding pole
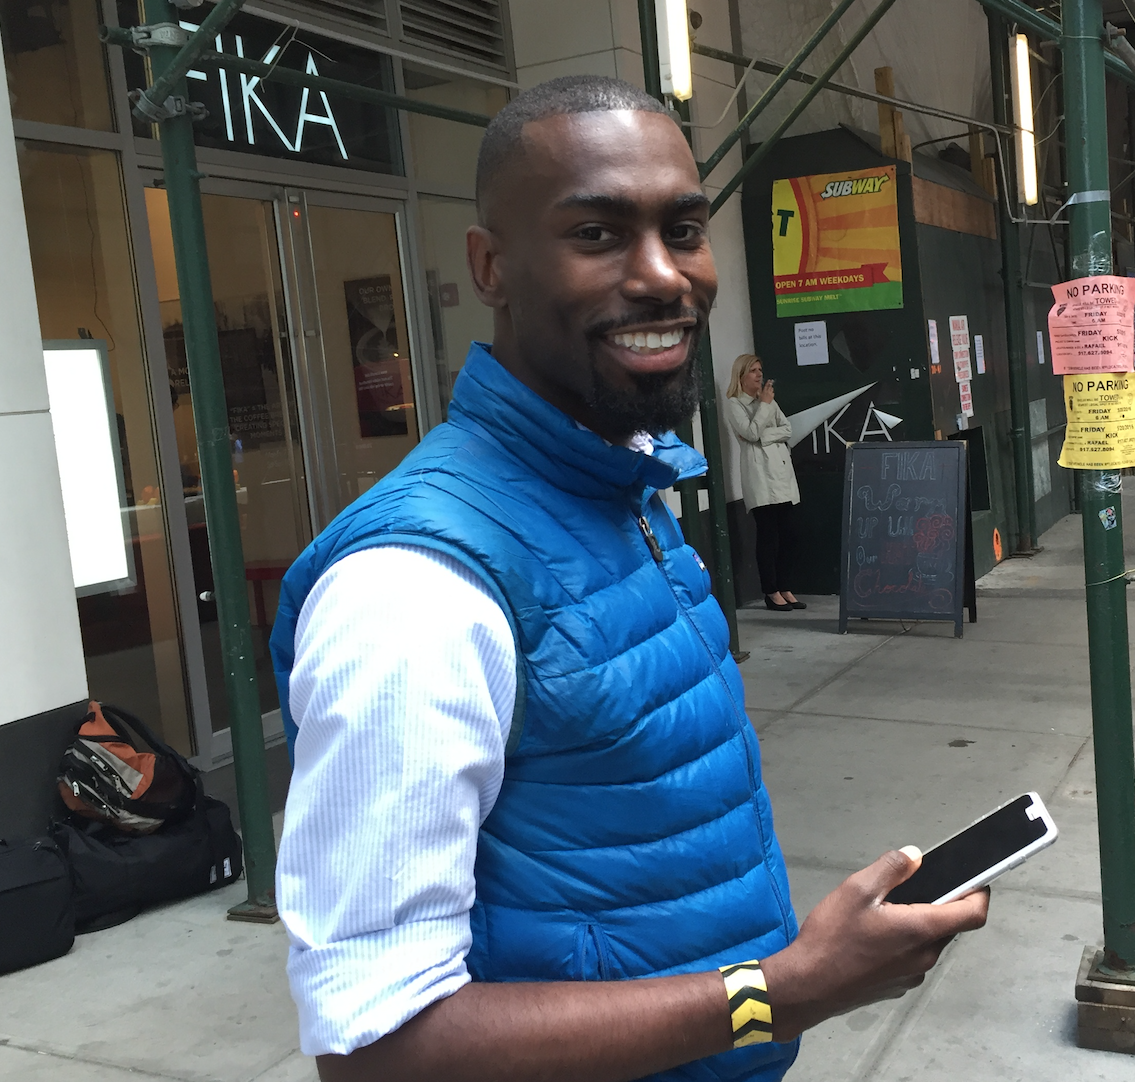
[
  {"x": 1101, "y": 502},
  {"x": 1013, "y": 281},
  {"x": 210, "y": 415},
  {"x": 687, "y": 491}
]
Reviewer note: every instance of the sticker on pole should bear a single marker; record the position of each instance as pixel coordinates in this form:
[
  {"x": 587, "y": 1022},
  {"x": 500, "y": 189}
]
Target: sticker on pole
[
  {"x": 1101, "y": 422},
  {"x": 1090, "y": 326}
]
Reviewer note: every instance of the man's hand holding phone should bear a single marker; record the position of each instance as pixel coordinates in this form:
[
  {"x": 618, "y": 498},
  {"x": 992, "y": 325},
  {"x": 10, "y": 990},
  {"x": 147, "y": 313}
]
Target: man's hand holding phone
[{"x": 856, "y": 948}]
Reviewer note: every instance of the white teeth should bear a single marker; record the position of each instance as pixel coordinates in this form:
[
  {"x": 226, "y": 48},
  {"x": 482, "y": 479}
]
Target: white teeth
[{"x": 640, "y": 340}]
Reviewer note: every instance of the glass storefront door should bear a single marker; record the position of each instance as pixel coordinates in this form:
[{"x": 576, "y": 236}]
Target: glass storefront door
[{"x": 315, "y": 353}]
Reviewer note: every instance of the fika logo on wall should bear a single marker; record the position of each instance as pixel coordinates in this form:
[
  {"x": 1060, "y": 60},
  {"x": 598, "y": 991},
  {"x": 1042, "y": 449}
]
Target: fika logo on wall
[
  {"x": 263, "y": 116},
  {"x": 250, "y": 104}
]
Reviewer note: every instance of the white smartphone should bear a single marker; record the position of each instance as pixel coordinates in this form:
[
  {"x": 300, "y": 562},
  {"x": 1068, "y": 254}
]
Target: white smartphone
[{"x": 977, "y": 855}]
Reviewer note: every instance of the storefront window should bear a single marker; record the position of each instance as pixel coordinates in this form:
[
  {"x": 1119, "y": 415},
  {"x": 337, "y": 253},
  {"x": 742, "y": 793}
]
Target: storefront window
[
  {"x": 445, "y": 152},
  {"x": 456, "y": 316},
  {"x": 271, "y": 489},
  {"x": 84, "y": 280},
  {"x": 56, "y": 66}
]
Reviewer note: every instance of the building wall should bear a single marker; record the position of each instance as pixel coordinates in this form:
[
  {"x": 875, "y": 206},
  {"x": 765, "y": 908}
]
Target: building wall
[{"x": 42, "y": 673}]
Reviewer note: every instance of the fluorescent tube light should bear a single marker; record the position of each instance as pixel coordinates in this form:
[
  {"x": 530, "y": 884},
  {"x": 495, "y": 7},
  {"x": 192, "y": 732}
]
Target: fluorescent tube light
[
  {"x": 674, "y": 48},
  {"x": 1027, "y": 187},
  {"x": 86, "y": 444}
]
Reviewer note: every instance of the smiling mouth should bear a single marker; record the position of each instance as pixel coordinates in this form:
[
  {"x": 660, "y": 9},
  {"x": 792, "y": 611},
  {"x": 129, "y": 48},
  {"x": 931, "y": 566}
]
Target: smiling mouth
[{"x": 647, "y": 342}]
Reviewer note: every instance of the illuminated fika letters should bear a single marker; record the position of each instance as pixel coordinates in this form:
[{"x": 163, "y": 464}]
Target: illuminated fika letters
[{"x": 249, "y": 100}]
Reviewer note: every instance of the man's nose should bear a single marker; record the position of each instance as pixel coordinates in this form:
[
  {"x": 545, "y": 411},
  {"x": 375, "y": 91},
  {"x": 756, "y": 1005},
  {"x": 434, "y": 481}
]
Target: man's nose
[{"x": 651, "y": 273}]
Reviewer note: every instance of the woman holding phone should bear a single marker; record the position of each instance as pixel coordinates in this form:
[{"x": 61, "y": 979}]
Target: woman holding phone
[{"x": 768, "y": 482}]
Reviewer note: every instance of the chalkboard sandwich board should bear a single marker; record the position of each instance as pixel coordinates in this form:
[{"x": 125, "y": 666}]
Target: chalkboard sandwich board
[{"x": 906, "y": 533}]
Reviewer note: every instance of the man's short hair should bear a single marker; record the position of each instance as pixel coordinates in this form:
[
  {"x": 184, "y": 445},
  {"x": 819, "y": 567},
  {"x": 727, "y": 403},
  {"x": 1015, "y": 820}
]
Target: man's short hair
[{"x": 557, "y": 97}]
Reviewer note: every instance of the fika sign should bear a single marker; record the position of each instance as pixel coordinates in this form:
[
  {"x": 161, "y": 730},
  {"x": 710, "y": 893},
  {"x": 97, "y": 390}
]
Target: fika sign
[
  {"x": 251, "y": 102},
  {"x": 262, "y": 117}
]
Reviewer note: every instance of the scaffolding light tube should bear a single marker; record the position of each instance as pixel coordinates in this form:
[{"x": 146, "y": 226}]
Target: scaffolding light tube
[
  {"x": 675, "y": 69},
  {"x": 1025, "y": 140}
]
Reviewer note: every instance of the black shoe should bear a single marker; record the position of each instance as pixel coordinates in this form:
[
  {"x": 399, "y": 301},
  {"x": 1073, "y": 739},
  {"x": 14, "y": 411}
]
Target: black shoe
[
  {"x": 770, "y": 604},
  {"x": 798, "y": 604}
]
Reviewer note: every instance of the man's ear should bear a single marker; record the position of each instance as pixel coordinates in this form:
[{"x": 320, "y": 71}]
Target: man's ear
[{"x": 482, "y": 252}]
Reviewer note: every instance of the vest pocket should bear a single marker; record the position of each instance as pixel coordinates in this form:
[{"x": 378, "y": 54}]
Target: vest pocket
[{"x": 592, "y": 954}]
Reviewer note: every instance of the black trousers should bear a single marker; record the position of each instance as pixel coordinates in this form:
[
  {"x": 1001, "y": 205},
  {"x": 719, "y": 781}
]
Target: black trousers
[{"x": 777, "y": 536}]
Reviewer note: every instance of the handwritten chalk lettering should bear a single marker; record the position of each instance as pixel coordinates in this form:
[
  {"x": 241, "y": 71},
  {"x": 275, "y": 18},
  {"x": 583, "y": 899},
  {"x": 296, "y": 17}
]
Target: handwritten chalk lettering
[
  {"x": 867, "y": 494},
  {"x": 863, "y": 559},
  {"x": 909, "y": 465},
  {"x": 866, "y": 526}
]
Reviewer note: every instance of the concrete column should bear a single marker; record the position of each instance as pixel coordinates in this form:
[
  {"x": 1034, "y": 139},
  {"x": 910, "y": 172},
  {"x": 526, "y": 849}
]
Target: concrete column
[{"x": 43, "y": 679}]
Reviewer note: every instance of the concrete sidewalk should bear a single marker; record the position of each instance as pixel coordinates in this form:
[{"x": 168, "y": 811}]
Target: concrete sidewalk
[{"x": 871, "y": 740}]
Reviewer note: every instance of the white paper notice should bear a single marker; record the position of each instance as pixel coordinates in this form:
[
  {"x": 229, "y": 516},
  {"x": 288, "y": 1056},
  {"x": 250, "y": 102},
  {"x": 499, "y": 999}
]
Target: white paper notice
[
  {"x": 1040, "y": 347},
  {"x": 935, "y": 356},
  {"x": 979, "y": 353},
  {"x": 967, "y": 398},
  {"x": 959, "y": 345},
  {"x": 812, "y": 343}
]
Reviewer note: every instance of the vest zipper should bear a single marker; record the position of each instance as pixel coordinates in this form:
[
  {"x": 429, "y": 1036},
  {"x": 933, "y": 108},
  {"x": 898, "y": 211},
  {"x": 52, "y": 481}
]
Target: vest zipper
[
  {"x": 651, "y": 540},
  {"x": 656, "y": 552}
]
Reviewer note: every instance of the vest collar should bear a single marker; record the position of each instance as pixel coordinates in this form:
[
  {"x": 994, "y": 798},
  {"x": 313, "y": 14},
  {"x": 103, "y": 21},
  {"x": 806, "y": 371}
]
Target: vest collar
[{"x": 487, "y": 396}]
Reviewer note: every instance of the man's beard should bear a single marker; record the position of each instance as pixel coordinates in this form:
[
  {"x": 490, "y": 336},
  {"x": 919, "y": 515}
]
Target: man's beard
[{"x": 659, "y": 403}]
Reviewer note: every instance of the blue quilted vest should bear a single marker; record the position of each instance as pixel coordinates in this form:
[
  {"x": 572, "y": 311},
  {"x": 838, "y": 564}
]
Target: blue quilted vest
[{"x": 633, "y": 835}]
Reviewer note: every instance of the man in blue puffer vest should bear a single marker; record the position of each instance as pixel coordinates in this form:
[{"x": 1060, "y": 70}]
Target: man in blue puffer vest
[{"x": 527, "y": 835}]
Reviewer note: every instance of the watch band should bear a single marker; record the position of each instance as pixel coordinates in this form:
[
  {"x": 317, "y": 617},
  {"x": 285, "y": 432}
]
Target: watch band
[{"x": 749, "y": 1008}]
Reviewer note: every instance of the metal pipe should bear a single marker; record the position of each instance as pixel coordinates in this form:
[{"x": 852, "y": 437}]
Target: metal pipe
[
  {"x": 718, "y": 541},
  {"x": 1012, "y": 280},
  {"x": 648, "y": 34},
  {"x": 777, "y": 84},
  {"x": 1085, "y": 113},
  {"x": 771, "y": 67},
  {"x": 210, "y": 415},
  {"x": 765, "y": 148},
  {"x": 152, "y": 103}
]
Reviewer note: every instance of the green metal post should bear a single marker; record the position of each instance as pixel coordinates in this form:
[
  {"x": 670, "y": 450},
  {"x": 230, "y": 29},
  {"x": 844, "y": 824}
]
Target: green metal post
[
  {"x": 766, "y": 147},
  {"x": 210, "y": 414},
  {"x": 775, "y": 87},
  {"x": 1029, "y": 19},
  {"x": 718, "y": 506},
  {"x": 718, "y": 541},
  {"x": 1009, "y": 233},
  {"x": 648, "y": 33},
  {"x": 1085, "y": 112},
  {"x": 180, "y": 61}
]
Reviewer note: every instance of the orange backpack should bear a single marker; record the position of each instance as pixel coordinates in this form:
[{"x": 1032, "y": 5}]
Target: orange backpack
[{"x": 105, "y": 775}]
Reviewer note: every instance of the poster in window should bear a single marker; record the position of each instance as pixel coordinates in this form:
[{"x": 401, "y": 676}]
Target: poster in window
[
  {"x": 382, "y": 386},
  {"x": 835, "y": 243}
]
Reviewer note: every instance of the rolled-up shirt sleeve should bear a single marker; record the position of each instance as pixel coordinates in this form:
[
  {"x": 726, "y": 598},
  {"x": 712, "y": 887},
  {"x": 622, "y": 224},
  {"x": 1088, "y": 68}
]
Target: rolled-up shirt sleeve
[{"x": 403, "y": 690}]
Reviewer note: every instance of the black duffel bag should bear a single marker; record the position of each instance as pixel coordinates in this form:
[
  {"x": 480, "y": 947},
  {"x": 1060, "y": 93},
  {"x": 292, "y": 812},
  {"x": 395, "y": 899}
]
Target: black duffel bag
[
  {"x": 37, "y": 922},
  {"x": 116, "y": 875}
]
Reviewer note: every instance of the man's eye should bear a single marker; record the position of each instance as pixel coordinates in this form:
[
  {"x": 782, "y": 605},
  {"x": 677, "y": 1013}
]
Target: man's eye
[
  {"x": 686, "y": 232},
  {"x": 594, "y": 233}
]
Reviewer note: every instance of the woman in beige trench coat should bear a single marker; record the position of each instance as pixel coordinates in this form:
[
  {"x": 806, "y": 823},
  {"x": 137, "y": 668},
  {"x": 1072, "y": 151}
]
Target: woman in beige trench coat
[{"x": 768, "y": 482}]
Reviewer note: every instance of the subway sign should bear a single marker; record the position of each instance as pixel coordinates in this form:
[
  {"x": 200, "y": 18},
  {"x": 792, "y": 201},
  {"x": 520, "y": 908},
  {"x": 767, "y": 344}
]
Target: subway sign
[{"x": 248, "y": 114}]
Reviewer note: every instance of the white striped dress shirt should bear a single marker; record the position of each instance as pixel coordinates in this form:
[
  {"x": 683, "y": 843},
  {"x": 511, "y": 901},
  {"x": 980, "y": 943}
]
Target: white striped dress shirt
[{"x": 403, "y": 690}]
